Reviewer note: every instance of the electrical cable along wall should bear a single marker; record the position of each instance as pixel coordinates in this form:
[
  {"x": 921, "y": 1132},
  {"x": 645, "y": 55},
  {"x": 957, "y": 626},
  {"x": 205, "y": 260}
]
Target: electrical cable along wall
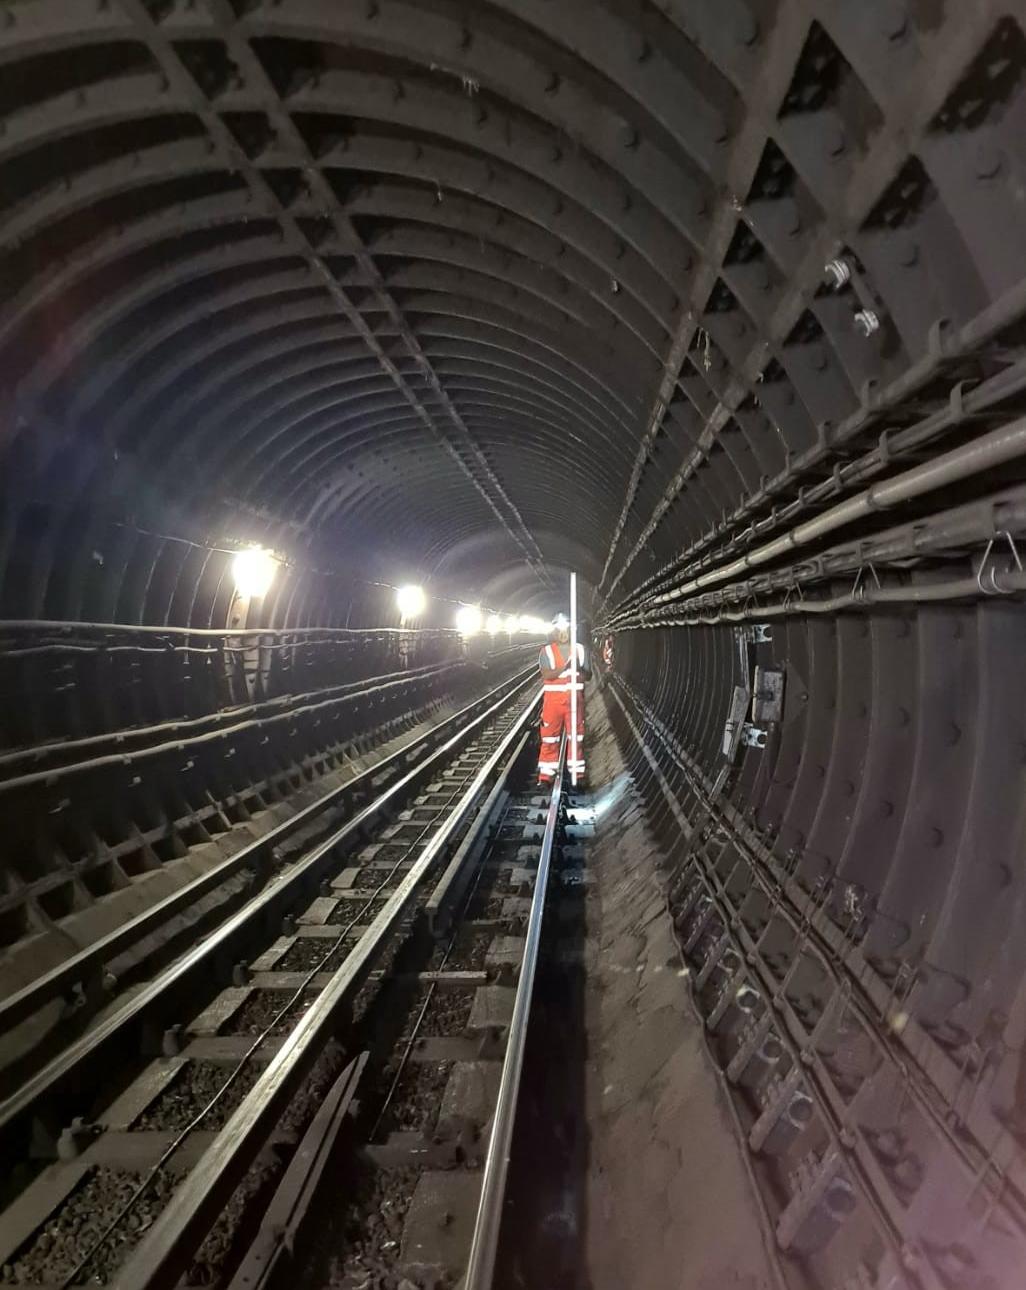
[{"x": 721, "y": 306}]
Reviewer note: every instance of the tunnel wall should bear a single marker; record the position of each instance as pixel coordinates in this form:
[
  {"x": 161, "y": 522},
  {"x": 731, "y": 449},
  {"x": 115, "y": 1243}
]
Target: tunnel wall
[
  {"x": 894, "y": 778},
  {"x": 479, "y": 293},
  {"x": 845, "y": 890}
]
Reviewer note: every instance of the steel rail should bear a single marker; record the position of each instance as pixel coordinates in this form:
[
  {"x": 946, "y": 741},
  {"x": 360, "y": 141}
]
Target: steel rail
[
  {"x": 90, "y": 962},
  {"x": 487, "y": 1227},
  {"x": 225, "y": 944},
  {"x": 461, "y": 868},
  {"x": 162, "y": 1257}
]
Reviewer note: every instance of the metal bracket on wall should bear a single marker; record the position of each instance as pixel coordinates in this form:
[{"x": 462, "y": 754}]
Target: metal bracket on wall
[
  {"x": 732, "y": 730},
  {"x": 753, "y": 736},
  {"x": 767, "y": 696}
]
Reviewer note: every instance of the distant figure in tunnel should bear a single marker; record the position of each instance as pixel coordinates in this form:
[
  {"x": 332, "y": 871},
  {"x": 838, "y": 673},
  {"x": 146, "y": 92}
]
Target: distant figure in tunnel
[{"x": 554, "y": 661}]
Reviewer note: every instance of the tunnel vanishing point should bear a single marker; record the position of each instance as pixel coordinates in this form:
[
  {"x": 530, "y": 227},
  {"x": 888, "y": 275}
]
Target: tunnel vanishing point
[{"x": 721, "y": 306}]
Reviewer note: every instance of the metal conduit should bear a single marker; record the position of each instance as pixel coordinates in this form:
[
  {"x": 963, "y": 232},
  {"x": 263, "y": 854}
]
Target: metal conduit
[
  {"x": 182, "y": 743},
  {"x": 892, "y": 444},
  {"x": 993, "y": 449},
  {"x": 1011, "y": 583},
  {"x": 293, "y": 704},
  {"x": 299, "y": 704},
  {"x": 960, "y": 529},
  {"x": 148, "y": 629}
]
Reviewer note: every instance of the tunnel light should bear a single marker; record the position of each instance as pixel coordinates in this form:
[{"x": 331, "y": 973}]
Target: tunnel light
[
  {"x": 468, "y": 620},
  {"x": 512, "y": 624},
  {"x": 254, "y": 570},
  {"x": 494, "y": 625},
  {"x": 533, "y": 626},
  {"x": 410, "y": 601}
]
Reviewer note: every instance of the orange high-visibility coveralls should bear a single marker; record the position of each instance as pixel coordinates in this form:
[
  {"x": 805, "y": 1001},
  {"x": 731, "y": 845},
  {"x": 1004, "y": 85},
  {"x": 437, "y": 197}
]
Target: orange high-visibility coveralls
[{"x": 555, "y": 716}]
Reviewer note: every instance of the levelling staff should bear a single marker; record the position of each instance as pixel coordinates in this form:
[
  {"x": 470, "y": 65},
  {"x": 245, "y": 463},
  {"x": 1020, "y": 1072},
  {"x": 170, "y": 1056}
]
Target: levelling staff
[{"x": 554, "y": 662}]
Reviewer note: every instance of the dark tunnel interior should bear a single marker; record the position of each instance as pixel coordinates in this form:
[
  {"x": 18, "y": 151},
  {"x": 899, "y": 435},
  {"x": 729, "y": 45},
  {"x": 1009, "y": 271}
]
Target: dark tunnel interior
[{"x": 722, "y": 307}]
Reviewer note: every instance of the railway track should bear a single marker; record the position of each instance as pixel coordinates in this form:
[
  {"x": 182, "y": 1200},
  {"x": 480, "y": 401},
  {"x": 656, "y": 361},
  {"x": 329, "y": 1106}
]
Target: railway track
[
  {"x": 426, "y": 1184},
  {"x": 118, "y": 798},
  {"x": 863, "y": 1129},
  {"x": 92, "y": 978},
  {"x": 377, "y": 965}
]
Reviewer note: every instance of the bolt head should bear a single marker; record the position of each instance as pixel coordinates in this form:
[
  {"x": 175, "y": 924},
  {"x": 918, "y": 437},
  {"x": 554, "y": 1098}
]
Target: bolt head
[{"x": 837, "y": 273}]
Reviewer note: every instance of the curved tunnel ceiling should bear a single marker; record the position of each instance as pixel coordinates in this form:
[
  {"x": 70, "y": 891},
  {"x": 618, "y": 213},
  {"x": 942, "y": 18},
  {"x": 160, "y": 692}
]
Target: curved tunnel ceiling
[{"x": 466, "y": 288}]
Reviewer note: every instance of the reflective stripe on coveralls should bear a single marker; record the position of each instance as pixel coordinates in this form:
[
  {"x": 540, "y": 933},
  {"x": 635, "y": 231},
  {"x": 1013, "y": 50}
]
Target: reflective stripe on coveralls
[{"x": 556, "y": 716}]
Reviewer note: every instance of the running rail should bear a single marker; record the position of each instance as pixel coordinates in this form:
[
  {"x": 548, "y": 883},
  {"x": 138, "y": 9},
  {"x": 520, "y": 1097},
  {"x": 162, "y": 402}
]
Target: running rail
[
  {"x": 481, "y": 1265},
  {"x": 230, "y": 936},
  {"x": 162, "y": 1257},
  {"x": 87, "y": 965}
]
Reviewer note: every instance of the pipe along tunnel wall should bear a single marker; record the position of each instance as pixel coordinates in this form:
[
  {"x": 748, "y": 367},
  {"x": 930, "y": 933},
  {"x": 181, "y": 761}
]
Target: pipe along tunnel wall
[{"x": 721, "y": 306}]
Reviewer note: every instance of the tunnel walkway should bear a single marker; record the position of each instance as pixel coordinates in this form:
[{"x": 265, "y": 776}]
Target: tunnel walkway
[{"x": 644, "y": 1181}]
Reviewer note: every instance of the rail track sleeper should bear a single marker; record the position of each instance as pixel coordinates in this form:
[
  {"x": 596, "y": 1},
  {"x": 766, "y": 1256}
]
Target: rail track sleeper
[
  {"x": 451, "y": 1048},
  {"x": 136, "y": 1151},
  {"x": 288, "y": 982},
  {"x": 453, "y": 882},
  {"x": 144, "y": 1089},
  {"x": 220, "y": 1010}
]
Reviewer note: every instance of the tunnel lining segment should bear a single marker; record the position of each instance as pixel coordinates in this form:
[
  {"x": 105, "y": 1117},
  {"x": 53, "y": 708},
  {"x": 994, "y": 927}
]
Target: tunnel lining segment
[{"x": 480, "y": 475}]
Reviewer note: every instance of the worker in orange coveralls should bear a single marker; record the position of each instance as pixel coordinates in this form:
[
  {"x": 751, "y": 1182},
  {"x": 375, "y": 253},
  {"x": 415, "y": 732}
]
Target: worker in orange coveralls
[{"x": 554, "y": 662}]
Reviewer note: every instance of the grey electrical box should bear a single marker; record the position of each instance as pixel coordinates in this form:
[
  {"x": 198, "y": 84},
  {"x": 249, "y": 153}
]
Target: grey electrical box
[{"x": 768, "y": 696}]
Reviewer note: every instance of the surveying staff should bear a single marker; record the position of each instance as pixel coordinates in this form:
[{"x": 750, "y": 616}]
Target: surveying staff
[{"x": 554, "y": 662}]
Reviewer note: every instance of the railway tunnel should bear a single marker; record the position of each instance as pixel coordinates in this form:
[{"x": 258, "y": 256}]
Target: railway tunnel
[{"x": 719, "y": 306}]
